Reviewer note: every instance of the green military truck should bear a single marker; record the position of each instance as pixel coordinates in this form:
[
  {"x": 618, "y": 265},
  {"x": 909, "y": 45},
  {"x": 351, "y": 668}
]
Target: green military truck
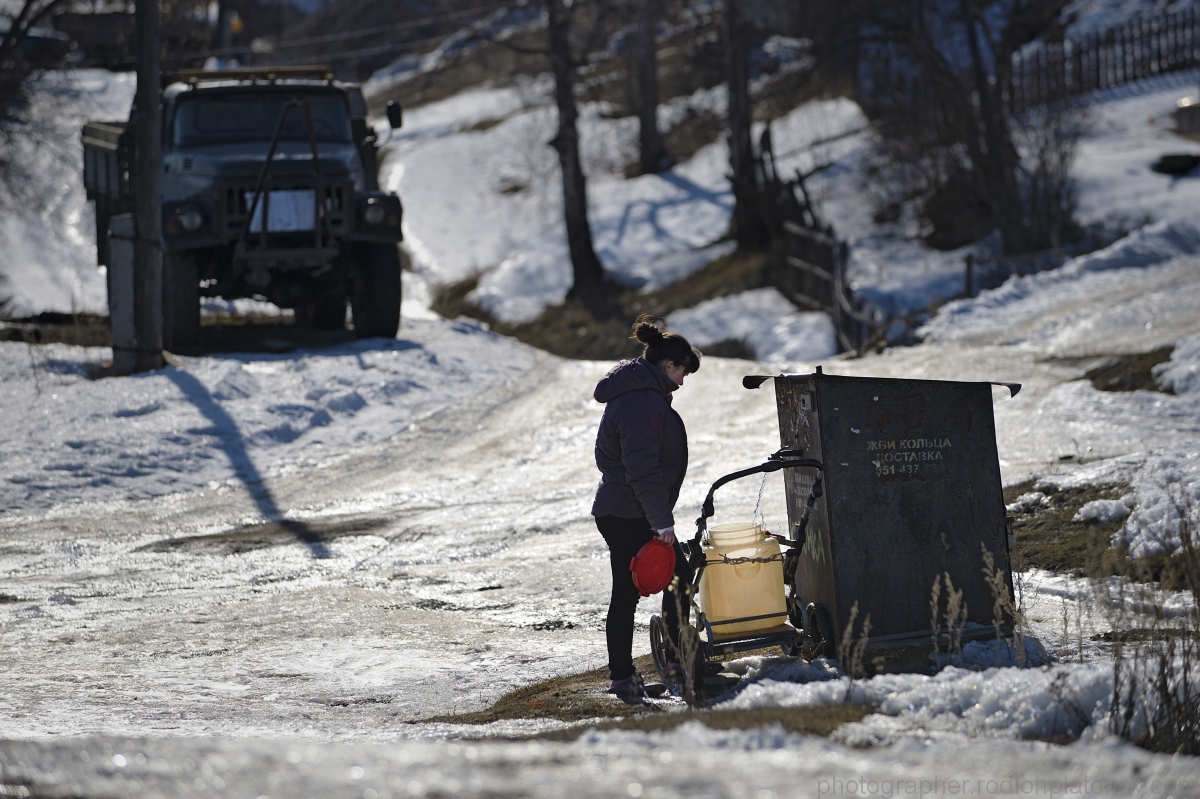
[{"x": 270, "y": 190}]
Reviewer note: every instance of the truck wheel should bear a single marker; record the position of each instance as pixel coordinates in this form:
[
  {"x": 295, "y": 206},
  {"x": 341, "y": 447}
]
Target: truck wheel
[
  {"x": 324, "y": 309},
  {"x": 181, "y": 300},
  {"x": 375, "y": 301}
]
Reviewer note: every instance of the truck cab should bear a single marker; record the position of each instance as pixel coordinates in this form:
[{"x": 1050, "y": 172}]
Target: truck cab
[{"x": 269, "y": 190}]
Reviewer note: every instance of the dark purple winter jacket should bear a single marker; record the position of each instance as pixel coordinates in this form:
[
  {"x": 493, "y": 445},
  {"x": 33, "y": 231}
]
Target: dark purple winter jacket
[{"x": 641, "y": 447}]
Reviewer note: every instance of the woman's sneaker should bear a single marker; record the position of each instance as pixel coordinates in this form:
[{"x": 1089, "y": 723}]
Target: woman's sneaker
[{"x": 635, "y": 688}]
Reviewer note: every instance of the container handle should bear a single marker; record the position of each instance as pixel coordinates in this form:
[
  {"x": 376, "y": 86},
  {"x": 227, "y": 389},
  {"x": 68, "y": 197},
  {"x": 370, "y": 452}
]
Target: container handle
[{"x": 783, "y": 459}]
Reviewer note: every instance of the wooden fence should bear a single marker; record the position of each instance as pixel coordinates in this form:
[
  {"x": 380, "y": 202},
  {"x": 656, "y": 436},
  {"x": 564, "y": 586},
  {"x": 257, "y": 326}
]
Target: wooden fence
[
  {"x": 816, "y": 279},
  {"x": 1141, "y": 48},
  {"x": 813, "y": 273}
]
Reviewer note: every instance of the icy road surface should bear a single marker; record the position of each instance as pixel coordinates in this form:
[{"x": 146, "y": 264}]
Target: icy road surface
[{"x": 315, "y": 570}]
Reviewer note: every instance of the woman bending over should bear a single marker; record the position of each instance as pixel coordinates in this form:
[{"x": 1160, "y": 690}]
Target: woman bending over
[{"x": 642, "y": 452}]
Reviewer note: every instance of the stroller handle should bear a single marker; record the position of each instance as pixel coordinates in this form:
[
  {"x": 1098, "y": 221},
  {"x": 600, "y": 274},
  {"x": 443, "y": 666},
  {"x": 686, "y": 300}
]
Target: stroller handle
[{"x": 783, "y": 459}]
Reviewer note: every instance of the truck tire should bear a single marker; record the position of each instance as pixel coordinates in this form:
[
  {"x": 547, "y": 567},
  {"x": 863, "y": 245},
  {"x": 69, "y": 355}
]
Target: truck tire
[
  {"x": 324, "y": 308},
  {"x": 375, "y": 300},
  {"x": 181, "y": 300}
]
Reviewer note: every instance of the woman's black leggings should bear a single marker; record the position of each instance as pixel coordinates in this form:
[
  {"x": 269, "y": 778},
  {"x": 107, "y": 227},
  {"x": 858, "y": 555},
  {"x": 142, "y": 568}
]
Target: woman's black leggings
[{"x": 624, "y": 538}]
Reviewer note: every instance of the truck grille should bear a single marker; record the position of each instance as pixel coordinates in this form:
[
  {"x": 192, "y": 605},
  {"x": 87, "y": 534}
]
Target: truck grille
[{"x": 236, "y": 205}]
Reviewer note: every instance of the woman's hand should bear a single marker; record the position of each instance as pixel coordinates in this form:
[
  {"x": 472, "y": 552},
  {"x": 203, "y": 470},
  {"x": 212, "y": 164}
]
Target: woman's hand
[{"x": 667, "y": 536}]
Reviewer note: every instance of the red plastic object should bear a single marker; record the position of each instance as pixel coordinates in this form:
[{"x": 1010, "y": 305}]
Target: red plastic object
[{"x": 653, "y": 567}]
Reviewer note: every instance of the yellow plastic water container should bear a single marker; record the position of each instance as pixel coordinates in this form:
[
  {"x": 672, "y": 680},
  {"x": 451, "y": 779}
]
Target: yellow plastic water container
[{"x": 753, "y": 587}]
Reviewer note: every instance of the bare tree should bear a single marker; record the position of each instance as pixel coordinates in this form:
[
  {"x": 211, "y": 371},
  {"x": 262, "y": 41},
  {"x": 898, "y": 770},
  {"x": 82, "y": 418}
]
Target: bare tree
[
  {"x": 589, "y": 284},
  {"x": 20, "y": 67},
  {"x": 749, "y": 227},
  {"x": 652, "y": 153},
  {"x": 938, "y": 74}
]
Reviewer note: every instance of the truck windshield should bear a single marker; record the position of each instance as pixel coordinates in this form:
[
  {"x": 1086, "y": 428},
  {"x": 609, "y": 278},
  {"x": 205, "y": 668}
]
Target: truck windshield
[{"x": 253, "y": 117}]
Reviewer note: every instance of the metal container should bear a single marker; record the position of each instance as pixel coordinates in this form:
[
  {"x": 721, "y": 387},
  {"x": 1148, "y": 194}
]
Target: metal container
[{"x": 912, "y": 492}]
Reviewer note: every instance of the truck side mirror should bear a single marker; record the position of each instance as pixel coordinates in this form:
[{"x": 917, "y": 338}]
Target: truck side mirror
[{"x": 395, "y": 114}]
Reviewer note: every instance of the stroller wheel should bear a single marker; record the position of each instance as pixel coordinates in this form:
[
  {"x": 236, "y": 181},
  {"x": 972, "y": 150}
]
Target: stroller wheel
[
  {"x": 793, "y": 648},
  {"x": 658, "y": 644},
  {"x": 820, "y": 632}
]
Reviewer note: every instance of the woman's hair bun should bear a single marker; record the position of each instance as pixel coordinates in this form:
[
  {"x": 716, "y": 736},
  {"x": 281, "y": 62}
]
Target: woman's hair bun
[
  {"x": 661, "y": 347},
  {"x": 646, "y": 331}
]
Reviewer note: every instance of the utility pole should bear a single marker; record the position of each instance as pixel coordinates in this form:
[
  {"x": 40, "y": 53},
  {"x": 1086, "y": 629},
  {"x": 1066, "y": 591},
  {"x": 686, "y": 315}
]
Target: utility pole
[{"x": 147, "y": 140}]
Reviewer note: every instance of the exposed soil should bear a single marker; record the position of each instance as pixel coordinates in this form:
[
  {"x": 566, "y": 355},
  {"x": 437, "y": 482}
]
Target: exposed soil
[
  {"x": 573, "y": 330},
  {"x": 819, "y": 720},
  {"x": 576, "y": 697},
  {"x": 582, "y": 698},
  {"x": 1047, "y": 538},
  {"x": 81, "y": 330},
  {"x": 1130, "y": 372}
]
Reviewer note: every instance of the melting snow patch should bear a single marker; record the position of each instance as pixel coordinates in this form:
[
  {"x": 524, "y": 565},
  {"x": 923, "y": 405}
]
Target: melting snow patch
[
  {"x": 1166, "y": 488},
  {"x": 1013, "y": 312},
  {"x": 1181, "y": 374},
  {"x": 764, "y": 320},
  {"x": 996, "y": 701},
  {"x": 1102, "y": 511},
  {"x": 1027, "y": 503}
]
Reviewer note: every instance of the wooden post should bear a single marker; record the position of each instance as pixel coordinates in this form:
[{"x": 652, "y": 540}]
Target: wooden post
[
  {"x": 970, "y": 281},
  {"x": 121, "y": 235},
  {"x": 147, "y": 269}
]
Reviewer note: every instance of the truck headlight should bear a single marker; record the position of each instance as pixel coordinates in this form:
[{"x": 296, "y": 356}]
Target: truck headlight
[
  {"x": 374, "y": 214},
  {"x": 191, "y": 221}
]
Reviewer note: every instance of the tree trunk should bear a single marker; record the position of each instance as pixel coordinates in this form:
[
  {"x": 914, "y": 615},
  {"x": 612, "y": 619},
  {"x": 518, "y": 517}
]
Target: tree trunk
[
  {"x": 652, "y": 152},
  {"x": 748, "y": 226},
  {"x": 587, "y": 271},
  {"x": 997, "y": 161},
  {"x": 147, "y": 263}
]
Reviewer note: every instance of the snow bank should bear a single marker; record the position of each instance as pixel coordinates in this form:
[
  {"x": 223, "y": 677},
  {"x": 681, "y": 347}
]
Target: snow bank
[
  {"x": 1165, "y": 480},
  {"x": 1181, "y": 374},
  {"x": 763, "y": 319},
  {"x": 47, "y": 241},
  {"x": 1102, "y": 511},
  {"x": 1166, "y": 489},
  {"x": 226, "y": 417},
  {"x": 482, "y": 192},
  {"x": 995, "y": 702},
  {"x": 1012, "y": 313}
]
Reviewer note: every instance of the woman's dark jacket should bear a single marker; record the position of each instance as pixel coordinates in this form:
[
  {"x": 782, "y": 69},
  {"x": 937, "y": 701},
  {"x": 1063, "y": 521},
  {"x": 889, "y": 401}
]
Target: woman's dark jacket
[{"x": 641, "y": 447}]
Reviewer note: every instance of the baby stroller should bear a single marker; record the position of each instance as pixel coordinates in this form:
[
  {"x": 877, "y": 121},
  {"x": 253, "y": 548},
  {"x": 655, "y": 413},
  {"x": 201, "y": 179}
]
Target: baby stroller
[{"x": 754, "y": 567}]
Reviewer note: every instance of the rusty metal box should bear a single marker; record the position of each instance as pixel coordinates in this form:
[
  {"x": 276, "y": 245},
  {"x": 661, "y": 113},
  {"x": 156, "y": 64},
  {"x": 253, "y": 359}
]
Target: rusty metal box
[{"x": 912, "y": 491}]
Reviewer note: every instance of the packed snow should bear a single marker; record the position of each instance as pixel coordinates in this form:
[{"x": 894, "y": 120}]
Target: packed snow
[
  {"x": 762, "y": 319},
  {"x": 1149, "y": 282},
  {"x": 235, "y": 418},
  {"x": 47, "y": 238}
]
